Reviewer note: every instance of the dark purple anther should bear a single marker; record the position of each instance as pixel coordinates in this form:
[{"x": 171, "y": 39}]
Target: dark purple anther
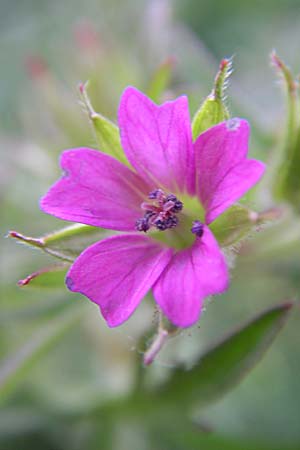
[
  {"x": 171, "y": 198},
  {"x": 172, "y": 222},
  {"x": 142, "y": 224},
  {"x": 178, "y": 205},
  {"x": 156, "y": 194},
  {"x": 197, "y": 228},
  {"x": 164, "y": 223},
  {"x": 160, "y": 224}
]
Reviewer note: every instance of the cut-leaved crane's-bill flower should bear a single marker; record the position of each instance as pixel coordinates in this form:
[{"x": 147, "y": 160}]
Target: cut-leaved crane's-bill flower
[{"x": 161, "y": 206}]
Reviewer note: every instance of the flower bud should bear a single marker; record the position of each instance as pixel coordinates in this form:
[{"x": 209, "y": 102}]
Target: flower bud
[{"x": 287, "y": 180}]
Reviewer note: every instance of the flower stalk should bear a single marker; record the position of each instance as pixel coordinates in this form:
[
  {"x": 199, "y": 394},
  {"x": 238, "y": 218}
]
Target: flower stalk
[
  {"x": 164, "y": 332},
  {"x": 157, "y": 344}
]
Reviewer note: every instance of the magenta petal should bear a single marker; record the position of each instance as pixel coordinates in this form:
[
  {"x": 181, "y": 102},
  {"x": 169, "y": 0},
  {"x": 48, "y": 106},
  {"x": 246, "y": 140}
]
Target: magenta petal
[
  {"x": 223, "y": 172},
  {"x": 157, "y": 140},
  {"x": 117, "y": 273},
  {"x": 191, "y": 275},
  {"x": 96, "y": 190}
]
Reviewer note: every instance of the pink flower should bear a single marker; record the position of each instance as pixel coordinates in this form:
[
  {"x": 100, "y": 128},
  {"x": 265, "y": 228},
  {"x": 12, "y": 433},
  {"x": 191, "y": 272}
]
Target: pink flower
[{"x": 164, "y": 203}]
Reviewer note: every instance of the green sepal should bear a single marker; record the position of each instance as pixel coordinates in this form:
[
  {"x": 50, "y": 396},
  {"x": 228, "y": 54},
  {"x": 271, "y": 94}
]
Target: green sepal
[
  {"x": 65, "y": 244},
  {"x": 238, "y": 222},
  {"x": 50, "y": 277},
  {"x": 106, "y": 132},
  {"x": 233, "y": 225},
  {"x": 213, "y": 110}
]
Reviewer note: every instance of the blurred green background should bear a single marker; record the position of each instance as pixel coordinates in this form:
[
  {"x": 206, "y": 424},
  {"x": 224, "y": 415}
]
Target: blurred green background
[{"x": 59, "y": 360}]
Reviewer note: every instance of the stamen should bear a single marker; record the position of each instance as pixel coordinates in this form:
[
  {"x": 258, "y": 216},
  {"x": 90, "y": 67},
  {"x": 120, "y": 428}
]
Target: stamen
[
  {"x": 197, "y": 228},
  {"x": 143, "y": 224},
  {"x": 177, "y": 204},
  {"x": 161, "y": 213},
  {"x": 164, "y": 224},
  {"x": 156, "y": 194}
]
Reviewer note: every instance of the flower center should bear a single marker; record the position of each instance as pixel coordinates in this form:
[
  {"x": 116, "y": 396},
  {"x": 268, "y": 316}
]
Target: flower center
[{"x": 160, "y": 213}]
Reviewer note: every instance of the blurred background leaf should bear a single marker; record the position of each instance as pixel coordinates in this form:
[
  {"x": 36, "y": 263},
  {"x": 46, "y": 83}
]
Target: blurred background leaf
[
  {"x": 14, "y": 366},
  {"x": 223, "y": 366}
]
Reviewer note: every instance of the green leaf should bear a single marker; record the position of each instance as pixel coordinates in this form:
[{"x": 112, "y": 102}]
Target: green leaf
[
  {"x": 194, "y": 437},
  {"x": 213, "y": 110},
  {"x": 216, "y": 372},
  {"x": 65, "y": 244},
  {"x": 160, "y": 80},
  {"x": 17, "y": 364},
  {"x": 224, "y": 365},
  {"x": 106, "y": 132},
  {"x": 233, "y": 225}
]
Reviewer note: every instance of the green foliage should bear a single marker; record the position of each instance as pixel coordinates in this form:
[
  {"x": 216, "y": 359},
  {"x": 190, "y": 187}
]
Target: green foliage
[
  {"x": 160, "y": 80},
  {"x": 213, "y": 374},
  {"x": 225, "y": 365},
  {"x": 198, "y": 438},
  {"x": 16, "y": 365}
]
